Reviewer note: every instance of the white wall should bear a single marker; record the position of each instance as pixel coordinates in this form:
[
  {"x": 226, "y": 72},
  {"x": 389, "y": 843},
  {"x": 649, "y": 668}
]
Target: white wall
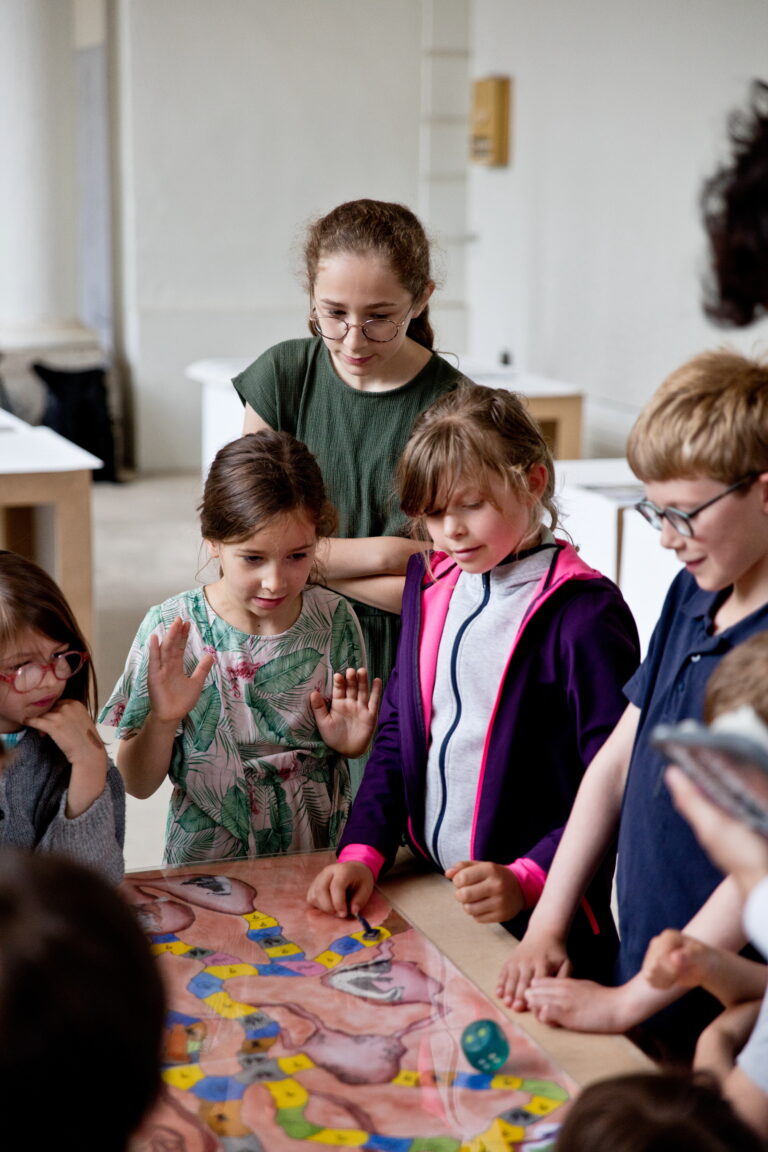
[
  {"x": 588, "y": 248},
  {"x": 238, "y": 122}
]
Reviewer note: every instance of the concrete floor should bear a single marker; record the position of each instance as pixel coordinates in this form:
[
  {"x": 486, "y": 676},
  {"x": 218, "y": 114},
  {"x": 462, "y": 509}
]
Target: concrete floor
[{"x": 146, "y": 547}]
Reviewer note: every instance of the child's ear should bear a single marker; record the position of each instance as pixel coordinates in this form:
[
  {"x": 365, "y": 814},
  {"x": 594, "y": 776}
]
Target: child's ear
[
  {"x": 213, "y": 549},
  {"x": 762, "y": 480},
  {"x": 538, "y": 476},
  {"x": 420, "y": 304}
]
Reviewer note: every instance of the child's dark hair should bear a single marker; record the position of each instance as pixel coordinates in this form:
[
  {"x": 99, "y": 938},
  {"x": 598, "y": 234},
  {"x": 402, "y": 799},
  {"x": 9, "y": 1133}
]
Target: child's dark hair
[
  {"x": 655, "y": 1112},
  {"x": 29, "y": 598},
  {"x": 392, "y": 231},
  {"x": 734, "y": 205},
  {"x": 258, "y": 477},
  {"x": 81, "y": 1008},
  {"x": 476, "y": 435}
]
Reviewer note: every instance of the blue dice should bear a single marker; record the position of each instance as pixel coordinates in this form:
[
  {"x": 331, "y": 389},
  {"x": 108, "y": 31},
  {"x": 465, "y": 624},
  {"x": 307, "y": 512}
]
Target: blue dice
[{"x": 485, "y": 1045}]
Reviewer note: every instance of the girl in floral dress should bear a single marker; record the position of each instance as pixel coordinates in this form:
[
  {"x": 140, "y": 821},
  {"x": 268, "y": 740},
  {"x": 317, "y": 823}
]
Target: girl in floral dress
[{"x": 249, "y": 692}]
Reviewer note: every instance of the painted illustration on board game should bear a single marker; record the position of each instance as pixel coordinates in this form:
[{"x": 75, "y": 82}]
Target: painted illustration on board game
[{"x": 289, "y": 1028}]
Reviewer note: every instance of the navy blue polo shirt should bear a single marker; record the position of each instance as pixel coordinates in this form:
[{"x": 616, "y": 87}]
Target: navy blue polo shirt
[{"x": 663, "y": 875}]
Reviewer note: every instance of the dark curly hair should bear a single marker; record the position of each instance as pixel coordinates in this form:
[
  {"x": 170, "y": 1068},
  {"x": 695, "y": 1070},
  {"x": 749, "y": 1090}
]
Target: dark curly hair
[{"x": 734, "y": 203}]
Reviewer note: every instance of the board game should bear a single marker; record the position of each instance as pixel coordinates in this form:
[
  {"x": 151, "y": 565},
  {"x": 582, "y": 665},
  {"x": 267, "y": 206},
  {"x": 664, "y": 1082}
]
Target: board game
[{"x": 290, "y": 1029}]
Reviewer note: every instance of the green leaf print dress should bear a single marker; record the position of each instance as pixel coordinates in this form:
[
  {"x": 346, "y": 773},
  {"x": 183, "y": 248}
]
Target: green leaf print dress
[{"x": 250, "y": 771}]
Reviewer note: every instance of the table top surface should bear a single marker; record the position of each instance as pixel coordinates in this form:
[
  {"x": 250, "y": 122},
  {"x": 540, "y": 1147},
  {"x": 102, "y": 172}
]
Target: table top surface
[
  {"x": 26, "y": 449},
  {"x": 479, "y": 950},
  {"x": 425, "y": 899}
]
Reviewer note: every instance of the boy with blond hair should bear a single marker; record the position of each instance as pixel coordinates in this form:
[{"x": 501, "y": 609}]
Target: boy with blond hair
[{"x": 701, "y": 449}]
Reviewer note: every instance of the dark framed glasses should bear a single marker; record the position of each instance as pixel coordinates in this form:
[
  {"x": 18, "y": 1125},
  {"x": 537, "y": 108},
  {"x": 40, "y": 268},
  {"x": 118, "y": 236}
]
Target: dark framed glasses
[{"x": 682, "y": 522}]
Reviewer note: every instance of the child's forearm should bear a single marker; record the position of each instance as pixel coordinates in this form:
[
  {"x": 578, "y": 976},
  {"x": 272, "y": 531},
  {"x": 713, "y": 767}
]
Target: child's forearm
[
  {"x": 717, "y": 923},
  {"x": 385, "y": 592},
  {"x": 144, "y": 757},
  {"x": 350, "y": 559},
  {"x": 87, "y": 779},
  {"x": 589, "y": 832},
  {"x": 733, "y": 979}
]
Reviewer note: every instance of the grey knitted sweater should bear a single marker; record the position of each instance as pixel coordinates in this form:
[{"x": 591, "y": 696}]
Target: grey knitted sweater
[{"x": 33, "y": 799}]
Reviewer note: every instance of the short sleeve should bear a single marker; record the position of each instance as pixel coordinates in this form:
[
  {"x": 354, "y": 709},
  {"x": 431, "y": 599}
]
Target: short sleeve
[{"x": 273, "y": 384}]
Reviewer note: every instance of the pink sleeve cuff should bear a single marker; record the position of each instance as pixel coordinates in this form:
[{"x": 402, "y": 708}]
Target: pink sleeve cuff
[
  {"x": 531, "y": 877},
  {"x": 363, "y": 854}
]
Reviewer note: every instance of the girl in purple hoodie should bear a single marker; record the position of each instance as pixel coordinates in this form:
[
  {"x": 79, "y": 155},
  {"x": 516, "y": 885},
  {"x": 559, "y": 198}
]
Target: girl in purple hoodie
[{"x": 512, "y": 657}]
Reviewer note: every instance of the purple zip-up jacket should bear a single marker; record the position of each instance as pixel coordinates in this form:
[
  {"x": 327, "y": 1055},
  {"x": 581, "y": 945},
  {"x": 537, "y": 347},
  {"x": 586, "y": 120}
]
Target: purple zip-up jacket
[{"x": 560, "y": 697}]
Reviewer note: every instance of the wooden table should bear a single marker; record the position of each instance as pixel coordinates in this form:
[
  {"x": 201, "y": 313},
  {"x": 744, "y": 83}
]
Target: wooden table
[
  {"x": 366, "y": 1025},
  {"x": 45, "y": 508},
  {"x": 479, "y": 950}
]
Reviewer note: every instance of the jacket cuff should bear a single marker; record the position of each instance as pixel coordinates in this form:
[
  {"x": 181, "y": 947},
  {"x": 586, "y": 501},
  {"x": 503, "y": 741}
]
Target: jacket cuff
[
  {"x": 531, "y": 877},
  {"x": 363, "y": 854}
]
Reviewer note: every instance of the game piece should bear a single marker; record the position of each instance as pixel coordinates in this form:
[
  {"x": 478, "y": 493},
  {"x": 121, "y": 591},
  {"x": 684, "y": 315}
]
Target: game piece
[
  {"x": 485, "y": 1045},
  {"x": 369, "y": 932}
]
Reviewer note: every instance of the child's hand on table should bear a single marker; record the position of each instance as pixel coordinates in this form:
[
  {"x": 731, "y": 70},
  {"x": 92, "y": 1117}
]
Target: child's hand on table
[
  {"x": 348, "y": 725},
  {"x": 488, "y": 892},
  {"x": 342, "y": 889},
  {"x": 534, "y": 957}
]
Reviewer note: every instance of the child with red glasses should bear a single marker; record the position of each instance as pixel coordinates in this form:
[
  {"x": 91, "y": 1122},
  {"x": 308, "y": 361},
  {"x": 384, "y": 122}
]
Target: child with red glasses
[{"x": 58, "y": 790}]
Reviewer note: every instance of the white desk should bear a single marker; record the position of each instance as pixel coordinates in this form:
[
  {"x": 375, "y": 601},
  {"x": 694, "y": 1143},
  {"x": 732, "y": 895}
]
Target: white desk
[
  {"x": 556, "y": 406},
  {"x": 45, "y": 507}
]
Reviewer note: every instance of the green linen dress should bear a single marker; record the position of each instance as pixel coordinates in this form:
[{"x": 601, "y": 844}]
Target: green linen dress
[
  {"x": 357, "y": 438},
  {"x": 251, "y": 774}
]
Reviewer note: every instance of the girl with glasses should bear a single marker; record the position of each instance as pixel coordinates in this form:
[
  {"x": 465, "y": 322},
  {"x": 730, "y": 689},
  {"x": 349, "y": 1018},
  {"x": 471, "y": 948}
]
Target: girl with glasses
[
  {"x": 58, "y": 789},
  {"x": 352, "y": 391}
]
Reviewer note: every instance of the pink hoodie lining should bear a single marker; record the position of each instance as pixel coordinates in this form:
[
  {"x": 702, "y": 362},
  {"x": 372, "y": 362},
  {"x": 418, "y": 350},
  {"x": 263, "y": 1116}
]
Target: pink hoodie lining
[
  {"x": 363, "y": 854},
  {"x": 569, "y": 567},
  {"x": 531, "y": 878}
]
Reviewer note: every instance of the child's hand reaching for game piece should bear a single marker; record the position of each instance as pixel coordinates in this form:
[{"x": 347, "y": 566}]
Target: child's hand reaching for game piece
[
  {"x": 348, "y": 725},
  {"x": 173, "y": 694},
  {"x": 488, "y": 892},
  {"x": 342, "y": 889}
]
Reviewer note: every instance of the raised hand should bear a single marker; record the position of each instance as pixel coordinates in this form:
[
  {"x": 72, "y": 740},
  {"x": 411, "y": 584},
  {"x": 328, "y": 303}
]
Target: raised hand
[
  {"x": 347, "y": 726},
  {"x": 173, "y": 694}
]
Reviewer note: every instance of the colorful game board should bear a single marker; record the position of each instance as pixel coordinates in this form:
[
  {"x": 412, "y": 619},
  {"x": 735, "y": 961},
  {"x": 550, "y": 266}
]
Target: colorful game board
[{"x": 291, "y": 1030}]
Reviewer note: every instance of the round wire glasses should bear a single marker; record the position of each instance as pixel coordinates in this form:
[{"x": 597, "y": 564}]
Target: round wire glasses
[{"x": 379, "y": 331}]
